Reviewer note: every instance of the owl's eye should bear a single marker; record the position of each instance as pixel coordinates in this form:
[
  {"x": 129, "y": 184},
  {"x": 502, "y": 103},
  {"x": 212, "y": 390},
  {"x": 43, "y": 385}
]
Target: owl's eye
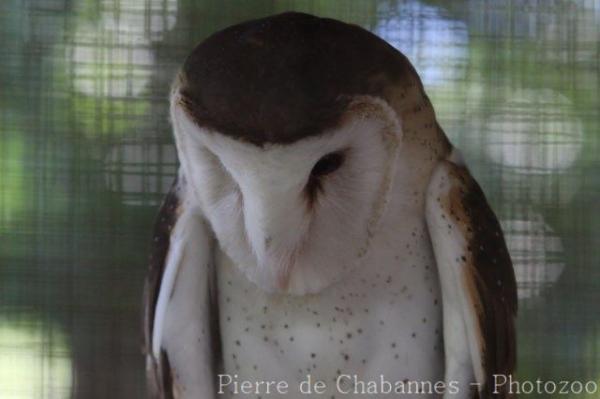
[
  {"x": 327, "y": 164},
  {"x": 324, "y": 166}
]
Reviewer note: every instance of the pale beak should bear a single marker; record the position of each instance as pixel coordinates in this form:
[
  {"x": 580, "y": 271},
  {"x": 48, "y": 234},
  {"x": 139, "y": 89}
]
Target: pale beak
[{"x": 275, "y": 222}]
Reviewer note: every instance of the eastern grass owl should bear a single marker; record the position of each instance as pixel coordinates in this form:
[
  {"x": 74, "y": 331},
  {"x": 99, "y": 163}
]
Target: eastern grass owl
[{"x": 321, "y": 226}]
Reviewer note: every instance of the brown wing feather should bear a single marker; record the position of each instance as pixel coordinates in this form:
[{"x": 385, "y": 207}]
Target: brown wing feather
[
  {"x": 158, "y": 370},
  {"x": 490, "y": 278}
]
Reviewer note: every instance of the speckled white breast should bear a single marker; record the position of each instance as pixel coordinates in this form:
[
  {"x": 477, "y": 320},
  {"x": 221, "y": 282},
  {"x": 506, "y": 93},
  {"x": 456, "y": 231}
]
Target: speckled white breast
[{"x": 380, "y": 323}]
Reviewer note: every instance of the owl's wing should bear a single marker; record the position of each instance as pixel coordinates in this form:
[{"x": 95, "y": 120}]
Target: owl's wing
[
  {"x": 477, "y": 281},
  {"x": 180, "y": 326}
]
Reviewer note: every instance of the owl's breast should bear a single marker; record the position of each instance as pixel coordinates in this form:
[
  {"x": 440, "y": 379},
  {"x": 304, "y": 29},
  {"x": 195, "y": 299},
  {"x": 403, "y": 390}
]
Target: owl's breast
[{"x": 381, "y": 324}]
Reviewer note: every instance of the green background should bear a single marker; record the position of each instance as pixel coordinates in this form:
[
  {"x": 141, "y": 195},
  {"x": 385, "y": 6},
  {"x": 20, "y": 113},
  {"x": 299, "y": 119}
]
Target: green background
[{"x": 86, "y": 155}]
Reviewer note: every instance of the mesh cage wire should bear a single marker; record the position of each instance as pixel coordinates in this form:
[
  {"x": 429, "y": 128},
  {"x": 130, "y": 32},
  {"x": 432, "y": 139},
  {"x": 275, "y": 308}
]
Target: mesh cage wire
[{"x": 86, "y": 156}]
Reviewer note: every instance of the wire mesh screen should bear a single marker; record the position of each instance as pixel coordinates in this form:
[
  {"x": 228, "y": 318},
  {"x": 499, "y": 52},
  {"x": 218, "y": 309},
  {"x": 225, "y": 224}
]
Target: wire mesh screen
[{"x": 86, "y": 156}]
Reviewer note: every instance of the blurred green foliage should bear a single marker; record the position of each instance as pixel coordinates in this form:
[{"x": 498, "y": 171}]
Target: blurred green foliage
[{"x": 83, "y": 120}]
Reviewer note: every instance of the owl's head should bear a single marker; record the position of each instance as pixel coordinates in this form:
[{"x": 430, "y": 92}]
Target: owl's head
[{"x": 287, "y": 138}]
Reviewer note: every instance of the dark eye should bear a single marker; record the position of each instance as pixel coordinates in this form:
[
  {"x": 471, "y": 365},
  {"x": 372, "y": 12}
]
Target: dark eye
[{"x": 327, "y": 164}]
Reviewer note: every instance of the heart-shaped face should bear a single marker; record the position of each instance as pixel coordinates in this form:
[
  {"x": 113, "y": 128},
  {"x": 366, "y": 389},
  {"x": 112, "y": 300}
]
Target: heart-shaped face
[{"x": 294, "y": 217}]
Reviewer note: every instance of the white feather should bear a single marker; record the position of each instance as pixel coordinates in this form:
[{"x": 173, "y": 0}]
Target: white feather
[
  {"x": 174, "y": 256},
  {"x": 463, "y": 356},
  {"x": 187, "y": 337}
]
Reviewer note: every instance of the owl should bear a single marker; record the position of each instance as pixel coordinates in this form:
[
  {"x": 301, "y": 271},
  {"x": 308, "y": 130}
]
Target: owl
[{"x": 321, "y": 230}]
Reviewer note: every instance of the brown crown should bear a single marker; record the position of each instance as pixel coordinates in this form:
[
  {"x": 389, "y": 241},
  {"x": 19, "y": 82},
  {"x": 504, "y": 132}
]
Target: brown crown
[{"x": 286, "y": 77}]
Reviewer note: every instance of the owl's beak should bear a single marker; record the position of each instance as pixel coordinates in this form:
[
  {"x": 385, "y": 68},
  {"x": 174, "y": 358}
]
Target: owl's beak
[{"x": 275, "y": 223}]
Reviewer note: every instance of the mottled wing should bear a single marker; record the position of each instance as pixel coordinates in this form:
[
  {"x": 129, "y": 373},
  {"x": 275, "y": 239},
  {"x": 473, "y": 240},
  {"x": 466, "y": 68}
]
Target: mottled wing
[
  {"x": 477, "y": 281},
  {"x": 180, "y": 326}
]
